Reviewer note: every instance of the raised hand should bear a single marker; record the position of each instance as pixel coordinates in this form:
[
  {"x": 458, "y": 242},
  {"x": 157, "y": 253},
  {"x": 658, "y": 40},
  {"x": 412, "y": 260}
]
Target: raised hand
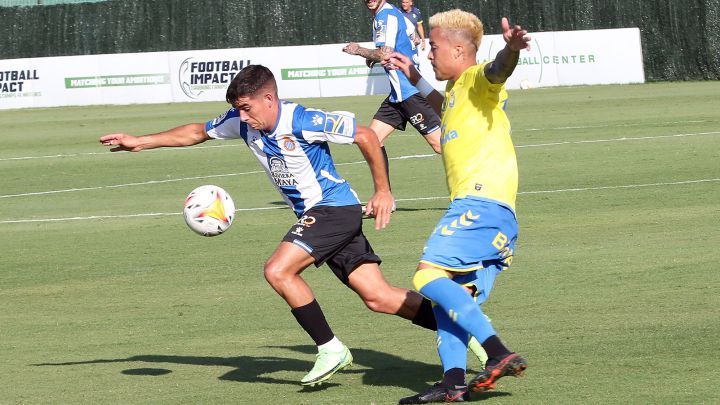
[{"x": 515, "y": 37}]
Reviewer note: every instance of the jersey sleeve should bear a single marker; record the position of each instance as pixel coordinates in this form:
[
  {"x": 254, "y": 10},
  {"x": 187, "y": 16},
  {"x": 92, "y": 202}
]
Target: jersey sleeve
[
  {"x": 386, "y": 29},
  {"x": 482, "y": 83},
  {"x": 419, "y": 16},
  {"x": 225, "y": 126},
  {"x": 321, "y": 126}
]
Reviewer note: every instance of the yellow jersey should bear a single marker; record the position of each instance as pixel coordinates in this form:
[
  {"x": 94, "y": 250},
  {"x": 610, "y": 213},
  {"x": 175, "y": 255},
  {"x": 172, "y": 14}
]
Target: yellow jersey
[{"x": 477, "y": 150}]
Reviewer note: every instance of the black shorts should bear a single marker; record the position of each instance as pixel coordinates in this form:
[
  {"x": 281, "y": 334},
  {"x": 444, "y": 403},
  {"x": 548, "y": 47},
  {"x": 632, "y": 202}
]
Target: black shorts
[
  {"x": 414, "y": 109},
  {"x": 333, "y": 235}
]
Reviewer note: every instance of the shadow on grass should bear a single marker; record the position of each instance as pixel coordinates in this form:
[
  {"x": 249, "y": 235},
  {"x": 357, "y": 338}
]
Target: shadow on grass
[
  {"x": 377, "y": 368},
  {"x": 383, "y": 369},
  {"x": 246, "y": 368}
]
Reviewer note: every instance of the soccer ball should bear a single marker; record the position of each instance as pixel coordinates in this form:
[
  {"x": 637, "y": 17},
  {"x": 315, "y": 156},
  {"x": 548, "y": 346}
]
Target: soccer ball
[{"x": 209, "y": 210}]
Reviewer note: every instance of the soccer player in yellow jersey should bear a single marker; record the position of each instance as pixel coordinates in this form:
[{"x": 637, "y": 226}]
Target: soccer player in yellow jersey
[{"x": 475, "y": 240}]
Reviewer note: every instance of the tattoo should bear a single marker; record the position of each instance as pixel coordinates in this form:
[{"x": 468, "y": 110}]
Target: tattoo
[
  {"x": 503, "y": 66},
  {"x": 375, "y": 55}
]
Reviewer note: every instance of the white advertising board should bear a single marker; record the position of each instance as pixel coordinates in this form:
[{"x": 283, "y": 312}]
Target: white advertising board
[{"x": 555, "y": 59}]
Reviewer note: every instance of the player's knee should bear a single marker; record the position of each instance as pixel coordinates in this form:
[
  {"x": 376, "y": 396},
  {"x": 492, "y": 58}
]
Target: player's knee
[
  {"x": 275, "y": 273},
  {"x": 384, "y": 302},
  {"x": 375, "y": 305}
]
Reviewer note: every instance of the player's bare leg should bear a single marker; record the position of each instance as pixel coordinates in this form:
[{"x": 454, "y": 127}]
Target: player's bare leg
[
  {"x": 382, "y": 130},
  {"x": 379, "y": 296},
  {"x": 282, "y": 271},
  {"x": 433, "y": 139}
]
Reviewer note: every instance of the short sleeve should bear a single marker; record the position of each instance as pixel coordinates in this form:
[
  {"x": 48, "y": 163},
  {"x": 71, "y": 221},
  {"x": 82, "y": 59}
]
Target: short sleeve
[
  {"x": 386, "y": 28},
  {"x": 419, "y": 17},
  {"x": 225, "y": 126},
  {"x": 481, "y": 81},
  {"x": 335, "y": 127}
]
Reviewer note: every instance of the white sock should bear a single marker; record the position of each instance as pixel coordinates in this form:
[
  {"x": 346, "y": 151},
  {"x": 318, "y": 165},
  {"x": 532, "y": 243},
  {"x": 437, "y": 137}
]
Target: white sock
[{"x": 335, "y": 345}]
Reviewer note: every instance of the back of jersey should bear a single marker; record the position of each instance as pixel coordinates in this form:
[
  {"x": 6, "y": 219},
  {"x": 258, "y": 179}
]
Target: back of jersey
[{"x": 392, "y": 29}]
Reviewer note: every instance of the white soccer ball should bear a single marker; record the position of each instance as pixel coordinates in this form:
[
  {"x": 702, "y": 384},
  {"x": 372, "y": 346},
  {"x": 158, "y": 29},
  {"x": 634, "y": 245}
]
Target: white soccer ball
[{"x": 209, "y": 210}]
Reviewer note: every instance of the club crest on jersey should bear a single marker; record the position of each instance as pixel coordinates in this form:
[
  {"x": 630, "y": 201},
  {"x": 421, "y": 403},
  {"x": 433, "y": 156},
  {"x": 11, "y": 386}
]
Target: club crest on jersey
[
  {"x": 280, "y": 173},
  {"x": 288, "y": 144}
]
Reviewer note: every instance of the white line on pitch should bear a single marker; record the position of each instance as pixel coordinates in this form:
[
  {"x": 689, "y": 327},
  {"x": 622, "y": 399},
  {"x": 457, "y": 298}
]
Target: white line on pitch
[
  {"x": 237, "y": 144},
  {"x": 149, "y": 182},
  {"x": 595, "y": 126},
  {"x": 623, "y": 139},
  {"x": 144, "y": 183},
  {"x": 68, "y": 155},
  {"x": 565, "y": 190}
]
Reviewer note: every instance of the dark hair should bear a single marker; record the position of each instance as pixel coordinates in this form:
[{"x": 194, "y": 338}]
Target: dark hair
[{"x": 249, "y": 81}]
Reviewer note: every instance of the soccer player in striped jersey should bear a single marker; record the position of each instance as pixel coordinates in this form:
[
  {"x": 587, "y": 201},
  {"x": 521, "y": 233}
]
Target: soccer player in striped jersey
[
  {"x": 475, "y": 240},
  {"x": 392, "y": 31},
  {"x": 291, "y": 143}
]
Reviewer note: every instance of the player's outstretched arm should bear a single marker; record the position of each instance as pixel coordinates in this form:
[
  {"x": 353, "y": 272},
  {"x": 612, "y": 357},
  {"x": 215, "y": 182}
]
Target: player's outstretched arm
[
  {"x": 396, "y": 60},
  {"x": 380, "y": 205},
  {"x": 371, "y": 55},
  {"x": 185, "y": 135},
  {"x": 516, "y": 39}
]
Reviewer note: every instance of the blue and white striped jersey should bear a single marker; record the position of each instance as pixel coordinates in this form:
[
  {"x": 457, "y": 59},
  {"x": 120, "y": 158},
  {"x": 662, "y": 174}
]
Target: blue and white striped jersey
[
  {"x": 295, "y": 154},
  {"x": 392, "y": 29}
]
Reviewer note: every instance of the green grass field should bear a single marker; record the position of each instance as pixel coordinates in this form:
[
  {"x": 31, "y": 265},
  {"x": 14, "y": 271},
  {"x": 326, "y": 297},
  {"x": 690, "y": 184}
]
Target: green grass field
[{"x": 613, "y": 297}]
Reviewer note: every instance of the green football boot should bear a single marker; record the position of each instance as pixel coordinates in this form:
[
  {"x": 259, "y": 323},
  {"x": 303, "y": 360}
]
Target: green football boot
[{"x": 327, "y": 363}]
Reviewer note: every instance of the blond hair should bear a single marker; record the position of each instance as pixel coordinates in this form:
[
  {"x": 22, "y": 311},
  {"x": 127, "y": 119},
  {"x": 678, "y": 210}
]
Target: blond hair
[{"x": 463, "y": 24}]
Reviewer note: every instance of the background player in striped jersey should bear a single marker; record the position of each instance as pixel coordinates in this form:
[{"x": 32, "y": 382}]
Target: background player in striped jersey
[
  {"x": 393, "y": 32},
  {"x": 475, "y": 240},
  {"x": 291, "y": 143}
]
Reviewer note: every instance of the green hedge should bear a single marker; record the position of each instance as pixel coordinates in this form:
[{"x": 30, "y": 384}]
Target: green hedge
[
  {"x": 679, "y": 37},
  {"x": 28, "y": 3}
]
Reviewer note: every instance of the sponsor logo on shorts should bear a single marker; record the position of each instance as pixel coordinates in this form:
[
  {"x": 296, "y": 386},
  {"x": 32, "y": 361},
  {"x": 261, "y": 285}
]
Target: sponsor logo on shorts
[
  {"x": 417, "y": 118},
  {"x": 305, "y": 221}
]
